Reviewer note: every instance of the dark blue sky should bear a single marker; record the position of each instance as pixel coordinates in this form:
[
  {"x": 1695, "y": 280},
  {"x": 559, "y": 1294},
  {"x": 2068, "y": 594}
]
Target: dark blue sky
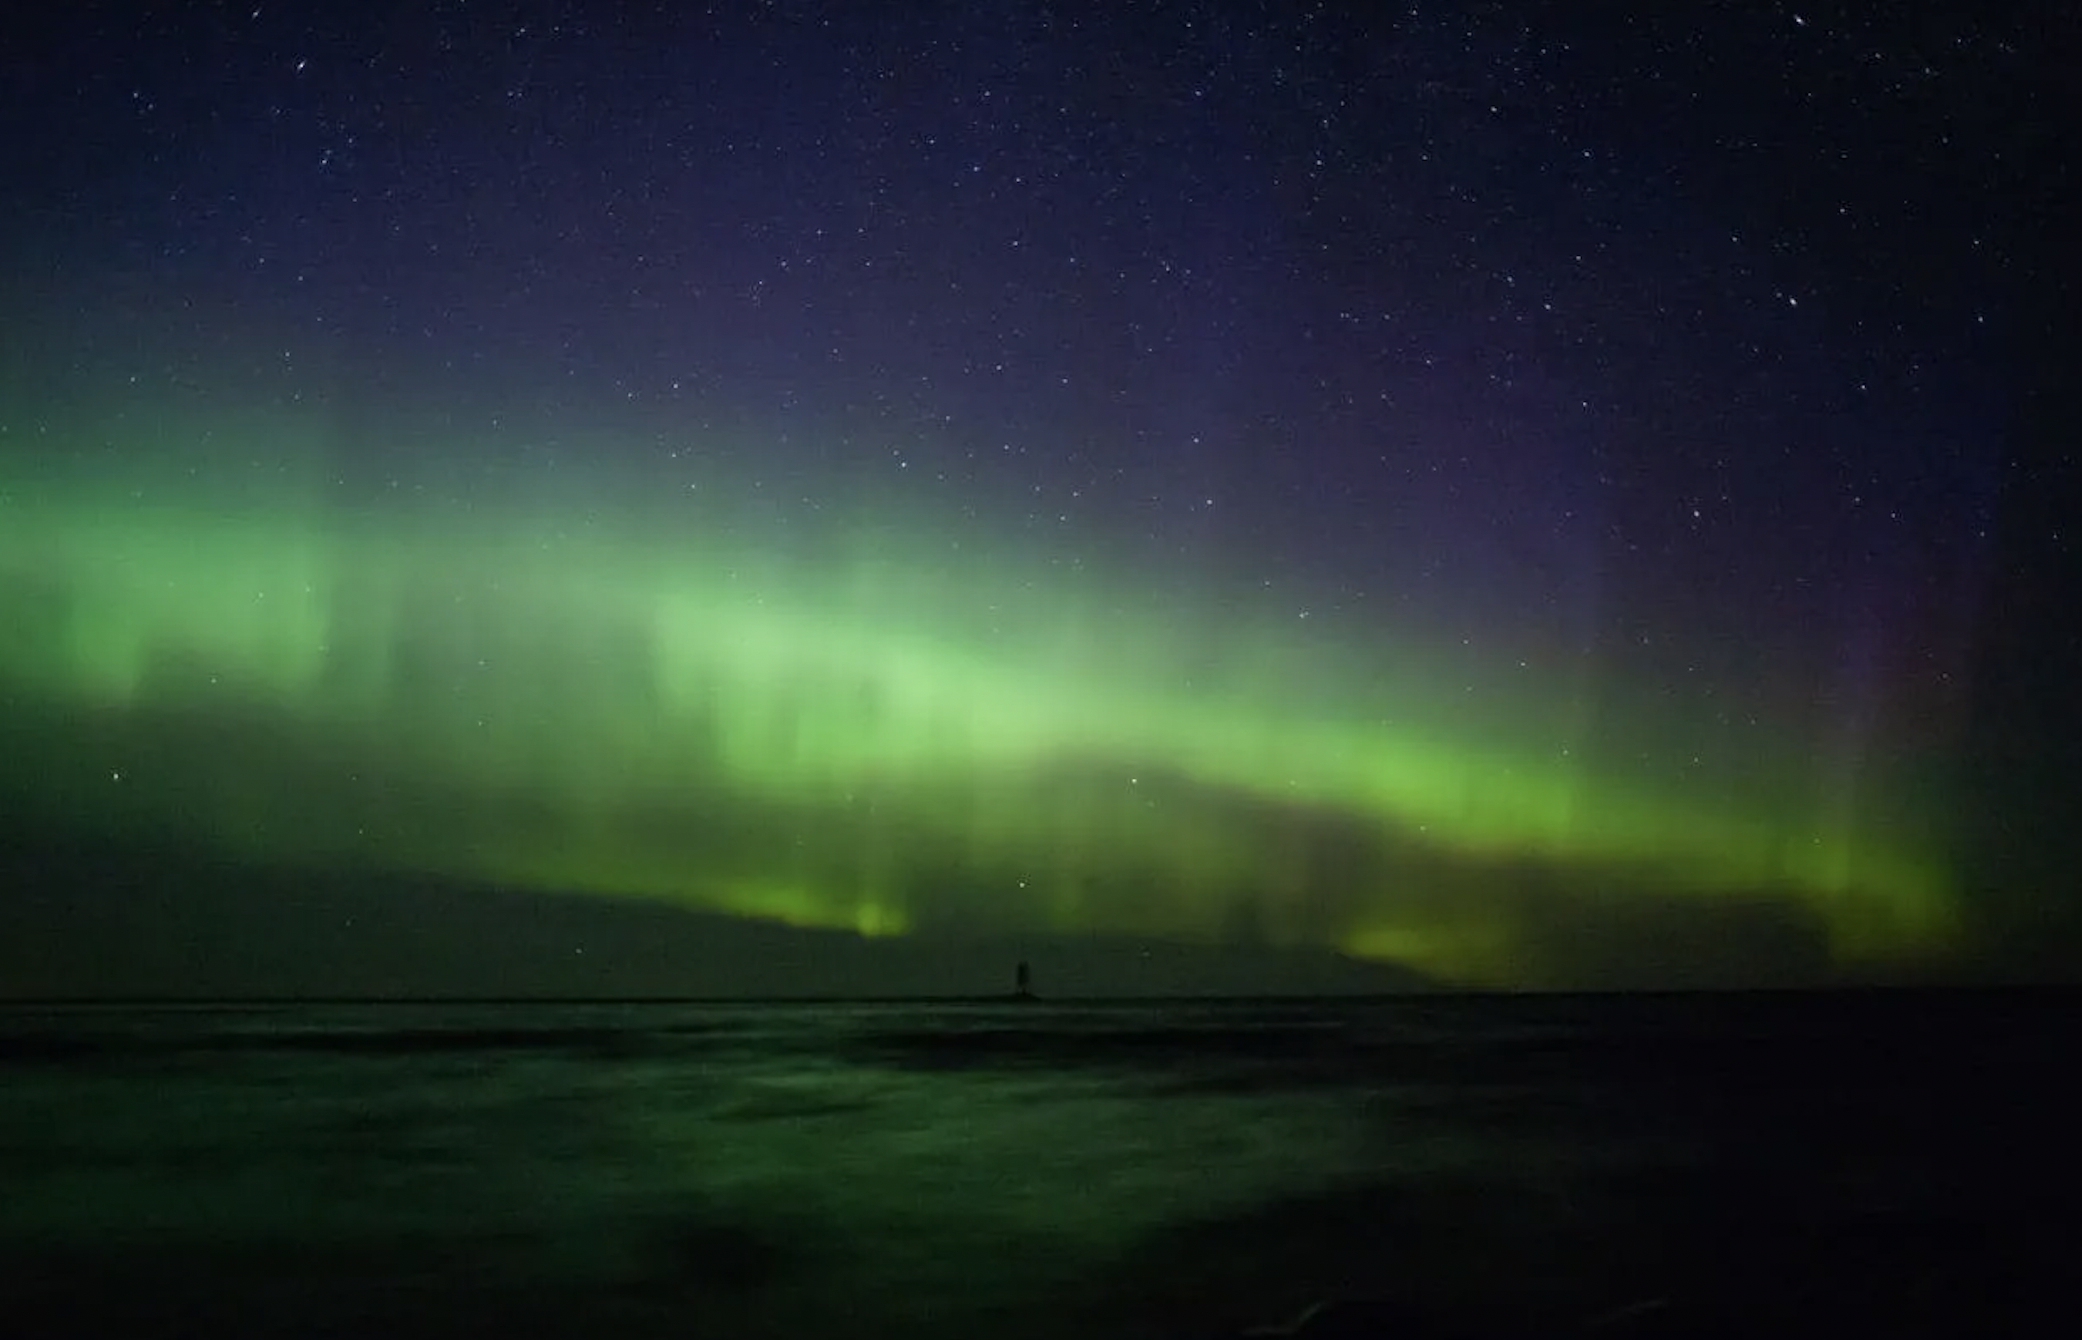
[
  {"x": 1695, "y": 345},
  {"x": 1509, "y": 312}
]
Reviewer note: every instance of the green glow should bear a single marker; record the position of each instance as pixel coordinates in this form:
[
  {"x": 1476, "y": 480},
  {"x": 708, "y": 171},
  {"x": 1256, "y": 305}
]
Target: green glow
[{"x": 868, "y": 723}]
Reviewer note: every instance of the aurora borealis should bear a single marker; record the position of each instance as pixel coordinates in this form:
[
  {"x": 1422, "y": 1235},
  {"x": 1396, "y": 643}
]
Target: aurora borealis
[
  {"x": 536, "y": 452},
  {"x": 880, "y": 740}
]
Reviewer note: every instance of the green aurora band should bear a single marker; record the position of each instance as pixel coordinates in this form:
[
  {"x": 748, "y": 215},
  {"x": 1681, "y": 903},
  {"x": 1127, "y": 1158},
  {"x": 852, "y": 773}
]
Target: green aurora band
[{"x": 874, "y": 724}]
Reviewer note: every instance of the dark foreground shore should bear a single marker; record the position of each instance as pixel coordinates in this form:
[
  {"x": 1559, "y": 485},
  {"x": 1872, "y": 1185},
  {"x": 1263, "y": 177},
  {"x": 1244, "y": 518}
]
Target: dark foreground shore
[{"x": 1787, "y": 1165}]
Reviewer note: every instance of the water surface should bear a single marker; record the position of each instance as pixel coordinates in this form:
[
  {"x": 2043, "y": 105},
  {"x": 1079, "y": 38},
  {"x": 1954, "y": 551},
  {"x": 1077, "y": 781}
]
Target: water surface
[{"x": 1151, "y": 1169}]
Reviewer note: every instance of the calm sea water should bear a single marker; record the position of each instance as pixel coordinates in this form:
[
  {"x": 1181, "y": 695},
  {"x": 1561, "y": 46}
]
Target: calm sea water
[{"x": 1048, "y": 1170}]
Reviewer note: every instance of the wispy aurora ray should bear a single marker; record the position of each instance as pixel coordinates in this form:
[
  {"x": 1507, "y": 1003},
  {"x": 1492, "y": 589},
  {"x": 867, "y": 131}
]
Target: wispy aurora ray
[{"x": 870, "y": 726}]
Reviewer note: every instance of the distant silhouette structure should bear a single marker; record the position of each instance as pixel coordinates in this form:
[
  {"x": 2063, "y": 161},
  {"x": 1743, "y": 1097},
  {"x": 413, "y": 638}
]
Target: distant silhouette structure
[{"x": 1023, "y": 982}]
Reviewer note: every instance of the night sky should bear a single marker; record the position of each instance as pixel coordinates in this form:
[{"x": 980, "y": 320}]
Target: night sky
[{"x": 1524, "y": 495}]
